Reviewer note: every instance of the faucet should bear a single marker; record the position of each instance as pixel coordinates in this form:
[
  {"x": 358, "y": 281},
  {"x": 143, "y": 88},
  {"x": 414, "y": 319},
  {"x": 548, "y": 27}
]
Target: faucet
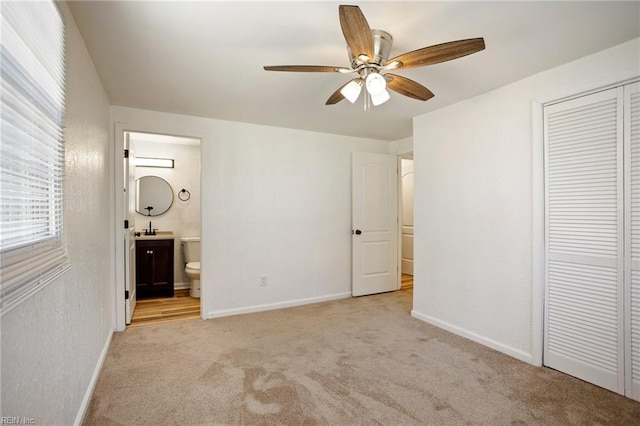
[{"x": 150, "y": 231}]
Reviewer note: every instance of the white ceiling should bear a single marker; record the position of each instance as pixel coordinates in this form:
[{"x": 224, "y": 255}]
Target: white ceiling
[{"x": 205, "y": 58}]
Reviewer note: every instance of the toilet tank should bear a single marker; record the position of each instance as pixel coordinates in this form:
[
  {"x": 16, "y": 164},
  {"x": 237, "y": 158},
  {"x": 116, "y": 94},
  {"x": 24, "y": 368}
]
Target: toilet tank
[{"x": 190, "y": 249}]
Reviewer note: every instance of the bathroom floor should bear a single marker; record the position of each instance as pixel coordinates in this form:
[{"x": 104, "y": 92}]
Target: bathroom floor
[
  {"x": 407, "y": 283},
  {"x": 158, "y": 310}
]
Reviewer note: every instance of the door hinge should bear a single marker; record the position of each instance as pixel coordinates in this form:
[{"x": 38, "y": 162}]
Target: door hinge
[
  {"x": 126, "y": 224},
  {"x": 126, "y": 295},
  {"x": 126, "y": 153}
]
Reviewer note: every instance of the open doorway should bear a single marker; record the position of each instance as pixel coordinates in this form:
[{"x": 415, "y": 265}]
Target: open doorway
[
  {"x": 161, "y": 208},
  {"x": 172, "y": 223},
  {"x": 406, "y": 225}
]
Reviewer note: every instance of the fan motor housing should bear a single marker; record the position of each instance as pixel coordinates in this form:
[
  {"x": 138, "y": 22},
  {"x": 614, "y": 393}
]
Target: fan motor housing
[{"x": 382, "y": 42}]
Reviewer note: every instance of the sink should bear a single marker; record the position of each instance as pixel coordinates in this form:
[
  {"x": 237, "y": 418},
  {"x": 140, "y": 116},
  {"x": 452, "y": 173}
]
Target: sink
[{"x": 160, "y": 235}]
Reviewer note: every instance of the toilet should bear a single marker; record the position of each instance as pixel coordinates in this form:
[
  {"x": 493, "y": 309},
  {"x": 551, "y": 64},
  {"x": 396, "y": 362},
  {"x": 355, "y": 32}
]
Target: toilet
[{"x": 191, "y": 253}]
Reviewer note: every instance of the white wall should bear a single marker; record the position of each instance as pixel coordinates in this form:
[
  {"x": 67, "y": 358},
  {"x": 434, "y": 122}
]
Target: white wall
[
  {"x": 401, "y": 146},
  {"x": 475, "y": 194},
  {"x": 52, "y": 342},
  {"x": 275, "y": 202},
  {"x": 183, "y": 217}
]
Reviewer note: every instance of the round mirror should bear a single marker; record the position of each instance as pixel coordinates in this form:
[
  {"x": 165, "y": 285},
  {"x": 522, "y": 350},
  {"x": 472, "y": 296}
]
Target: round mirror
[{"x": 154, "y": 195}]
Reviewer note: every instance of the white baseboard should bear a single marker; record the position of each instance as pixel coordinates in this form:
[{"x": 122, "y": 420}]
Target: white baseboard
[
  {"x": 278, "y": 305},
  {"x": 500, "y": 347},
  {"x": 92, "y": 383}
]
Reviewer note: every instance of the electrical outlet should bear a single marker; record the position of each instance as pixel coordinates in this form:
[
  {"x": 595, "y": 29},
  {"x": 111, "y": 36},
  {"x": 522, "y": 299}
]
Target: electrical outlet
[{"x": 263, "y": 280}]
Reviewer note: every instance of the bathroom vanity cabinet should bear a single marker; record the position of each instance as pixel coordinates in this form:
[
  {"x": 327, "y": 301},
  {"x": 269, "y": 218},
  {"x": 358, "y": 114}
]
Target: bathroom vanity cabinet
[{"x": 154, "y": 268}]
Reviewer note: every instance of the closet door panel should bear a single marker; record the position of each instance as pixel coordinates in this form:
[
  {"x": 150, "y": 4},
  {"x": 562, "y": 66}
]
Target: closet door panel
[
  {"x": 632, "y": 167},
  {"x": 583, "y": 253}
]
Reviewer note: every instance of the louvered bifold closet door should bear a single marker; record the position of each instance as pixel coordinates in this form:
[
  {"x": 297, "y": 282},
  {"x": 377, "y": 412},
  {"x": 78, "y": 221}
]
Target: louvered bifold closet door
[
  {"x": 583, "y": 242},
  {"x": 632, "y": 197}
]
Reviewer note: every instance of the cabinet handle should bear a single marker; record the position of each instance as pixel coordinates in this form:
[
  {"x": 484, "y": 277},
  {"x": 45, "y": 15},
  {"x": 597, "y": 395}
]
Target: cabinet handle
[{"x": 149, "y": 251}]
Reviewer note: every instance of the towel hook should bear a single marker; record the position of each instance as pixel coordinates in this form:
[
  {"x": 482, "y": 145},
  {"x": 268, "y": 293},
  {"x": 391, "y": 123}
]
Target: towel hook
[{"x": 184, "y": 195}]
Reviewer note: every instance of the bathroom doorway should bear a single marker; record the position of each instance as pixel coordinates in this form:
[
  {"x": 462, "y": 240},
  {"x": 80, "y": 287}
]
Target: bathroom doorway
[
  {"x": 174, "y": 162},
  {"x": 166, "y": 193}
]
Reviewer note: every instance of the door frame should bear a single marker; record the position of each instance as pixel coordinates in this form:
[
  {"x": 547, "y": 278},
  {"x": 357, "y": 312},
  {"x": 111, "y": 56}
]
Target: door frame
[
  {"x": 120, "y": 128},
  {"x": 408, "y": 155},
  {"x": 129, "y": 237}
]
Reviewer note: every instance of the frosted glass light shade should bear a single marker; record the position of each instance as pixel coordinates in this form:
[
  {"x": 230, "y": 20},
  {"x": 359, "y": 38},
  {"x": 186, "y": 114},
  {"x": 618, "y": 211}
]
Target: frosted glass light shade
[
  {"x": 380, "y": 98},
  {"x": 376, "y": 84},
  {"x": 352, "y": 90}
]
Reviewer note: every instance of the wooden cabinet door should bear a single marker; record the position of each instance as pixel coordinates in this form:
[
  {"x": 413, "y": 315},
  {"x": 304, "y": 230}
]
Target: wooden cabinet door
[
  {"x": 143, "y": 268},
  {"x": 154, "y": 268},
  {"x": 163, "y": 264}
]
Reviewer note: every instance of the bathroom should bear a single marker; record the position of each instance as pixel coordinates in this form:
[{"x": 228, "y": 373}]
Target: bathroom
[{"x": 182, "y": 218}]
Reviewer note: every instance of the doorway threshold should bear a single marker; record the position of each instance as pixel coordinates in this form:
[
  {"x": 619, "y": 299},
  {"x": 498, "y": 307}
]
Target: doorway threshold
[{"x": 161, "y": 310}]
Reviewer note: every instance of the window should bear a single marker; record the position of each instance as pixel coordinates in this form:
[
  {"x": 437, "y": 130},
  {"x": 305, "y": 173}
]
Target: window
[{"x": 32, "y": 252}]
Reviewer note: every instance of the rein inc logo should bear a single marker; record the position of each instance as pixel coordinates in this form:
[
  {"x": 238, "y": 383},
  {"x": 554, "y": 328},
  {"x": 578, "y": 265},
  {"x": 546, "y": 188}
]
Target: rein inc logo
[{"x": 5, "y": 420}]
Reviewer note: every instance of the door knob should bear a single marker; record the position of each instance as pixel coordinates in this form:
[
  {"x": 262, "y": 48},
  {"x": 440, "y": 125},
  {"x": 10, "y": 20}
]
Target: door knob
[{"x": 358, "y": 232}]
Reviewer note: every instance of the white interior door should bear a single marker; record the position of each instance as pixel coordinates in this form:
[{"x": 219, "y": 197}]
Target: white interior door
[
  {"x": 584, "y": 234},
  {"x": 129, "y": 203},
  {"x": 375, "y": 223},
  {"x": 632, "y": 249},
  {"x": 407, "y": 217}
]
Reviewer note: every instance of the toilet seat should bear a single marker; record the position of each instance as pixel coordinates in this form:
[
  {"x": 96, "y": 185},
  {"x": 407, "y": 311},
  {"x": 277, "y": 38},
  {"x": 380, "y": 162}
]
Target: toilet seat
[{"x": 193, "y": 267}]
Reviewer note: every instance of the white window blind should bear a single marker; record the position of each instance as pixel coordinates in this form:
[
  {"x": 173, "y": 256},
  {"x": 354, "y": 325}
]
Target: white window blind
[{"x": 32, "y": 72}]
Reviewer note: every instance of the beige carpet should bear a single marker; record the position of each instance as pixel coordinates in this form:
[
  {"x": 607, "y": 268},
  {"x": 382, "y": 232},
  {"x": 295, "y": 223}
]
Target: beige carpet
[{"x": 353, "y": 361}]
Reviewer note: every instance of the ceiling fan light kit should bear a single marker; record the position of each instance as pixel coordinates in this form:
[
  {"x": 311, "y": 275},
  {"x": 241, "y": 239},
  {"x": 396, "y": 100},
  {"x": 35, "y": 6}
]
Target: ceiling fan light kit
[
  {"x": 368, "y": 52},
  {"x": 376, "y": 91}
]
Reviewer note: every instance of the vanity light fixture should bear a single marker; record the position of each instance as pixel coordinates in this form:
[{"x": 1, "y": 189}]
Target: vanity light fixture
[{"x": 166, "y": 163}]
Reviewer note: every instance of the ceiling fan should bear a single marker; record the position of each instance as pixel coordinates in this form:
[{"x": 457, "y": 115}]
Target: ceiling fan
[{"x": 369, "y": 52}]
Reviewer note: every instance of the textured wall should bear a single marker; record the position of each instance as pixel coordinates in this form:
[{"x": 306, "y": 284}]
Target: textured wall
[
  {"x": 474, "y": 204},
  {"x": 51, "y": 343},
  {"x": 183, "y": 217}
]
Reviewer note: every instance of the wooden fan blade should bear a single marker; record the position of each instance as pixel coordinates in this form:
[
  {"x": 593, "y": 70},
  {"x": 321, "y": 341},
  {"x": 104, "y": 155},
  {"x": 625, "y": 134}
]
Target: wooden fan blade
[
  {"x": 337, "y": 96},
  {"x": 356, "y": 31},
  {"x": 306, "y": 68},
  {"x": 409, "y": 88},
  {"x": 439, "y": 53}
]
